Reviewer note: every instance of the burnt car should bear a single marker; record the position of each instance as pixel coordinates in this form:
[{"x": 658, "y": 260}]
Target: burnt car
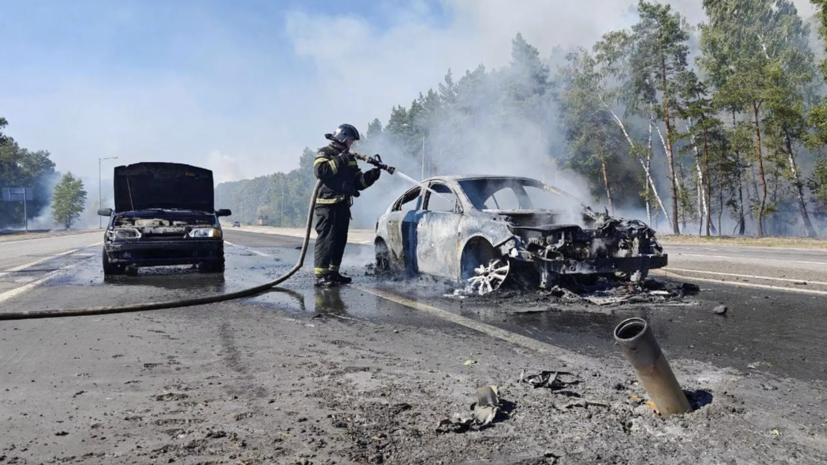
[
  {"x": 164, "y": 215},
  {"x": 482, "y": 229}
]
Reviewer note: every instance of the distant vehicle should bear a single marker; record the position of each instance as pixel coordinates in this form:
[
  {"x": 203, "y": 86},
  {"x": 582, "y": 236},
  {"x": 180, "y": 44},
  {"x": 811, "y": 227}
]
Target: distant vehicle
[
  {"x": 236, "y": 224},
  {"x": 164, "y": 215},
  {"x": 478, "y": 229}
]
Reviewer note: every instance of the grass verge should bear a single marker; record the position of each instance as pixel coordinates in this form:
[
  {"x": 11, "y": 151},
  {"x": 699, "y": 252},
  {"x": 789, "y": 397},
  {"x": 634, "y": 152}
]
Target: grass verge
[{"x": 796, "y": 242}]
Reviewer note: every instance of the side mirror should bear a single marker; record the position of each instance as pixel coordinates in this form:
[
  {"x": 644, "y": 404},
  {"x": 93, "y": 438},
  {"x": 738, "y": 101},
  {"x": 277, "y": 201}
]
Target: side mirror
[
  {"x": 105, "y": 211},
  {"x": 223, "y": 212}
]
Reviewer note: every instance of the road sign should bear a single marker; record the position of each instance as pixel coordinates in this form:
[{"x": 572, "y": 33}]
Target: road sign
[{"x": 17, "y": 194}]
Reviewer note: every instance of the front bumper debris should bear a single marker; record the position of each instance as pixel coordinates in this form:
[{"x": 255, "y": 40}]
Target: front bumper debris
[
  {"x": 167, "y": 252},
  {"x": 550, "y": 269}
]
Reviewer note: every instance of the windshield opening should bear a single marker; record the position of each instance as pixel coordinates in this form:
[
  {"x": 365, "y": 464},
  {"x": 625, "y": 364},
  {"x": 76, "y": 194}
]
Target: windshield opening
[{"x": 512, "y": 194}]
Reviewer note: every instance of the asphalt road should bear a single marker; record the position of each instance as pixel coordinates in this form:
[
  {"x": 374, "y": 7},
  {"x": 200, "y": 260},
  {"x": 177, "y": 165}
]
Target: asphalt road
[
  {"x": 773, "y": 330},
  {"x": 775, "y": 298}
]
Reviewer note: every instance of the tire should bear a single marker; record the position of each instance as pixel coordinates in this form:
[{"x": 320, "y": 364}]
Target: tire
[
  {"x": 109, "y": 268},
  {"x": 383, "y": 257},
  {"x": 216, "y": 266}
]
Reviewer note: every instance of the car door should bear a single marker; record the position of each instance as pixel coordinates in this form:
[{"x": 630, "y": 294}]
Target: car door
[
  {"x": 438, "y": 231},
  {"x": 401, "y": 227}
]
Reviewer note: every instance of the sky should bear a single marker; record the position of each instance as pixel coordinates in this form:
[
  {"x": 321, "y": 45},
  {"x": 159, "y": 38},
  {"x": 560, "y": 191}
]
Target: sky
[{"x": 242, "y": 87}]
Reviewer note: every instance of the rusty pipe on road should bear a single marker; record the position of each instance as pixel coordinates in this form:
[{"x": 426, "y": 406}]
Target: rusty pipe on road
[{"x": 641, "y": 349}]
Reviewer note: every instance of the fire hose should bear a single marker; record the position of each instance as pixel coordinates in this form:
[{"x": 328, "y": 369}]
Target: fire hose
[{"x": 147, "y": 306}]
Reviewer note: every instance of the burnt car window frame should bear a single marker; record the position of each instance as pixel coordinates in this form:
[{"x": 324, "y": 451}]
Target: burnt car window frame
[
  {"x": 397, "y": 205},
  {"x": 516, "y": 184},
  {"x": 458, "y": 210}
]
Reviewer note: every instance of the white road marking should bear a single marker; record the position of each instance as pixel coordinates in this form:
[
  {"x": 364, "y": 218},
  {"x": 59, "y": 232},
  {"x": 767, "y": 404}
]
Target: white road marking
[
  {"x": 750, "y": 258},
  {"x": 683, "y": 270},
  {"x": 28, "y": 265},
  {"x": 739, "y": 284},
  {"x": 19, "y": 290},
  {"x": 484, "y": 328}
]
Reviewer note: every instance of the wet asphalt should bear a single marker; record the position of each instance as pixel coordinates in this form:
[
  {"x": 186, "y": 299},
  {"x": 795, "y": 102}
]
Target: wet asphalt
[{"x": 766, "y": 330}]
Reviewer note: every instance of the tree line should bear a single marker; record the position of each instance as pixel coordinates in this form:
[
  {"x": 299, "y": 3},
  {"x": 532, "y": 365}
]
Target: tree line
[
  {"x": 20, "y": 167},
  {"x": 716, "y": 128}
]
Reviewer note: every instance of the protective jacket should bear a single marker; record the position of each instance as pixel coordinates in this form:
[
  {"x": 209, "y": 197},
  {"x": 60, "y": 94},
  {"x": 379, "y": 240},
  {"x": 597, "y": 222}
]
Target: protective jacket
[{"x": 341, "y": 177}]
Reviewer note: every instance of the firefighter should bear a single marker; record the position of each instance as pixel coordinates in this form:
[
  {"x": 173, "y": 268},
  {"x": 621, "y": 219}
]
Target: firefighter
[{"x": 335, "y": 165}]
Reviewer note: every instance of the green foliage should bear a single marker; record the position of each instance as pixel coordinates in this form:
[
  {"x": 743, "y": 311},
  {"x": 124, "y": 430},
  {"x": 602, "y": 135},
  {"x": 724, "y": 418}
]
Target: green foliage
[
  {"x": 749, "y": 104},
  {"x": 68, "y": 200},
  {"x": 818, "y": 185},
  {"x": 20, "y": 167}
]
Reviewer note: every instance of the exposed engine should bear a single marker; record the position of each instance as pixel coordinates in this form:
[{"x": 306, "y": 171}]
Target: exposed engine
[{"x": 127, "y": 227}]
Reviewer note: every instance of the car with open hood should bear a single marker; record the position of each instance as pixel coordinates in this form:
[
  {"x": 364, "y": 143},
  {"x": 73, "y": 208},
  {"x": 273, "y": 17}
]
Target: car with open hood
[
  {"x": 164, "y": 215},
  {"x": 482, "y": 229}
]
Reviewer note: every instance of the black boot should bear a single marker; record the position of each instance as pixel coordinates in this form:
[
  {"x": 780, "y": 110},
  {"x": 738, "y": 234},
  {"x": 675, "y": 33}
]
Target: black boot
[
  {"x": 326, "y": 281},
  {"x": 335, "y": 276}
]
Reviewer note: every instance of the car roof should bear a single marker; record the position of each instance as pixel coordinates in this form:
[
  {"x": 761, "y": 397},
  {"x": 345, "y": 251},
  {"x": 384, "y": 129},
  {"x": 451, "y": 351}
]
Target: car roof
[{"x": 477, "y": 177}]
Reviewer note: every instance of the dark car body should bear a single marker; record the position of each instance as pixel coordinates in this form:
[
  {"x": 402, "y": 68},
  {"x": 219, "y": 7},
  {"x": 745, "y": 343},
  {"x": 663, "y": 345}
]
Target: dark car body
[
  {"x": 164, "y": 215},
  {"x": 473, "y": 227}
]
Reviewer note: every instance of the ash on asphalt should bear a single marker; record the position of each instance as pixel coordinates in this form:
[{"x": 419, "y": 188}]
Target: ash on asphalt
[{"x": 751, "y": 336}]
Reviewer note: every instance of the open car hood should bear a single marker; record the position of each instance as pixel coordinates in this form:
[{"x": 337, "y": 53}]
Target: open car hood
[{"x": 163, "y": 185}]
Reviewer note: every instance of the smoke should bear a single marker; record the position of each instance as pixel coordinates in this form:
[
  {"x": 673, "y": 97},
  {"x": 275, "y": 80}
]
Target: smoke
[
  {"x": 225, "y": 168},
  {"x": 371, "y": 68}
]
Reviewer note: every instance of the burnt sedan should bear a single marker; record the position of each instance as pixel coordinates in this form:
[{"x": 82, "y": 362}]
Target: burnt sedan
[
  {"x": 164, "y": 215},
  {"x": 480, "y": 230}
]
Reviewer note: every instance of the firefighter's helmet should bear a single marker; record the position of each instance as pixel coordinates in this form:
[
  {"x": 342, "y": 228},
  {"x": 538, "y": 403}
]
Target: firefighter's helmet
[{"x": 343, "y": 133}]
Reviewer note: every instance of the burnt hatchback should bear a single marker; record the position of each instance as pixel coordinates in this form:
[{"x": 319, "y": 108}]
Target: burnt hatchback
[
  {"x": 164, "y": 215},
  {"x": 483, "y": 229}
]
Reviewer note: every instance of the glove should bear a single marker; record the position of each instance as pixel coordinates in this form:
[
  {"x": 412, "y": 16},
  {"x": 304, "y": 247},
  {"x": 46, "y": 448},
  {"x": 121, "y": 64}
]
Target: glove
[
  {"x": 359, "y": 156},
  {"x": 372, "y": 175}
]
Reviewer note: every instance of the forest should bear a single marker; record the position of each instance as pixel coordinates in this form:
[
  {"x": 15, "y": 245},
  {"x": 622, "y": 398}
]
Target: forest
[{"x": 717, "y": 128}]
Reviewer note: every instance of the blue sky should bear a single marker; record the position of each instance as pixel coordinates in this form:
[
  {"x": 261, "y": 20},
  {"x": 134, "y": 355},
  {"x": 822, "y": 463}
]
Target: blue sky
[{"x": 241, "y": 87}]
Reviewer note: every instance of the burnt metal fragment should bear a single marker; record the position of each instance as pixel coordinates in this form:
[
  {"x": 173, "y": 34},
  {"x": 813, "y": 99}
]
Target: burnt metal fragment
[{"x": 638, "y": 343}]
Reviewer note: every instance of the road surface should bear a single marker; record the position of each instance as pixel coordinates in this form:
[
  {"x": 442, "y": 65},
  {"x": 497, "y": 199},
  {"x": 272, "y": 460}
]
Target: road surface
[{"x": 364, "y": 374}]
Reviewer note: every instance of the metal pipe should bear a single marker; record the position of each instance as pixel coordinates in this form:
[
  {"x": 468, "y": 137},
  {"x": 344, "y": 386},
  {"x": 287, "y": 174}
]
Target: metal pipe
[{"x": 638, "y": 343}]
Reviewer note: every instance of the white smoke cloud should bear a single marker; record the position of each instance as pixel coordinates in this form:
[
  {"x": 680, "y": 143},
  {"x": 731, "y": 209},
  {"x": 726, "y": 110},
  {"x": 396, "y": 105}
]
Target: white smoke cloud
[{"x": 225, "y": 168}]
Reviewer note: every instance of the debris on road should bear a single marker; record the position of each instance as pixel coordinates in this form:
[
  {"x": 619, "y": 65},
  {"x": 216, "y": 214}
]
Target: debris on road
[
  {"x": 484, "y": 411},
  {"x": 554, "y": 380},
  {"x": 486, "y": 406},
  {"x": 720, "y": 310},
  {"x": 581, "y": 403}
]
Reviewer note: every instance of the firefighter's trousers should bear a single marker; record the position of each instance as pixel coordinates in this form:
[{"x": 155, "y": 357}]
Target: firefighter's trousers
[{"x": 332, "y": 223}]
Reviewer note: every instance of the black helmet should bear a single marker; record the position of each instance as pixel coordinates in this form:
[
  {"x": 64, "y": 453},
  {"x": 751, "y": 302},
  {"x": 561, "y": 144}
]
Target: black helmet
[{"x": 343, "y": 133}]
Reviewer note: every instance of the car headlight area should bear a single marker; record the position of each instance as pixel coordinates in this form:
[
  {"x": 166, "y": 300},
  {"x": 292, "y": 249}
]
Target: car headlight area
[
  {"x": 204, "y": 232},
  {"x": 124, "y": 234}
]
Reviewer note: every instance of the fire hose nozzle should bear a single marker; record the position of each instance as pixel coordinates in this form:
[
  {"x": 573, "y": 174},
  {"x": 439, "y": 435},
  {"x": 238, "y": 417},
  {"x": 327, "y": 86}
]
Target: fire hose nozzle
[{"x": 376, "y": 161}]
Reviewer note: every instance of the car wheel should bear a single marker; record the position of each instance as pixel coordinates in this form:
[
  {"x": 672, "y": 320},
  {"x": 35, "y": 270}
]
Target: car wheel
[
  {"x": 109, "y": 268},
  {"x": 213, "y": 267},
  {"x": 483, "y": 269},
  {"x": 383, "y": 257}
]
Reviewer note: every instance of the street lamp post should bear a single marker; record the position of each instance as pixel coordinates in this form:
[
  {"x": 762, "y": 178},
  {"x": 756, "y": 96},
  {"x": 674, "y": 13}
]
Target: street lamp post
[
  {"x": 422, "y": 169},
  {"x": 422, "y": 177},
  {"x": 100, "y": 190}
]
